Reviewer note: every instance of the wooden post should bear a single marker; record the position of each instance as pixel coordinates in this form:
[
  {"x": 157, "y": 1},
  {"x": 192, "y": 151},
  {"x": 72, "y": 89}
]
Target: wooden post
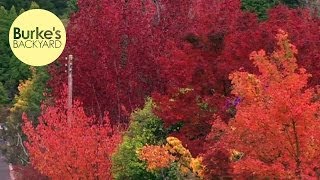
[{"x": 70, "y": 86}]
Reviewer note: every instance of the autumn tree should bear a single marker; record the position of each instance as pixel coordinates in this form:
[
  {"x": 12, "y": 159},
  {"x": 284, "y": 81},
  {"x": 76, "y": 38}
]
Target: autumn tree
[
  {"x": 232, "y": 39},
  {"x": 195, "y": 76},
  {"x": 68, "y": 145},
  {"x": 180, "y": 52},
  {"x": 299, "y": 23},
  {"x": 220, "y": 38},
  {"x": 160, "y": 157},
  {"x": 276, "y": 128},
  {"x": 117, "y": 69}
]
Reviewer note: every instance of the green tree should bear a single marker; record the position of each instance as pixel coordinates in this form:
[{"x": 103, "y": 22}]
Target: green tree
[
  {"x": 34, "y": 5},
  {"x": 292, "y": 3},
  {"x": 3, "y": 95},
  {"x": 17, "y": 3},
  {"x": 145, "y": 128},
  {"x": 59, "y": 7},
  {"x": 259, "y": 7},
  {"x": 11, "y": 69},
  {"x": 72, "y": 5}
]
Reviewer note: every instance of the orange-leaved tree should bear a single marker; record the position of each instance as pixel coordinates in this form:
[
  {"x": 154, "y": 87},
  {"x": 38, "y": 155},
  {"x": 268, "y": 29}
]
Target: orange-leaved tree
[
  {"x": 73, "y": 147},
  {"x": 276, "y": 130},
  {"x": 159, "y": 157}
]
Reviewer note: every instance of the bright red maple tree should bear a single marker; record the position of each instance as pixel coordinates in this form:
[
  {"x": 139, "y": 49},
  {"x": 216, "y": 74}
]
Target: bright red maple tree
[
  {"x": 276, "y": 130},
  {"x": 75, "y": 149}
]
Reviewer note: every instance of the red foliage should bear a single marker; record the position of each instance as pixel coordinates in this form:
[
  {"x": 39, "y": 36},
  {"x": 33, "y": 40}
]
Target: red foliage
[
  {"x": 115, "y": 44},
  {"x": 218, "y": 42},
  {"x": 276, "y": 130},
  {"x": 70, "y": 150},
  {"x": 299, "y": 23},
  {"x": 182, "y": 51},
  {"x": 216, "y": 156},
  {"x": 109, "y": 71},
  {"x": 196, "y": 79}
]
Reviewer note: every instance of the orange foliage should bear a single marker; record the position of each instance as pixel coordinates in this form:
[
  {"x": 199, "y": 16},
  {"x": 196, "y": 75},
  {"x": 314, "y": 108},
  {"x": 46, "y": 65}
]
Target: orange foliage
[
  {"x": 75, "y": 150},
  {"x": 157, "y": 157},
  {"x": 276, "y": 130}
]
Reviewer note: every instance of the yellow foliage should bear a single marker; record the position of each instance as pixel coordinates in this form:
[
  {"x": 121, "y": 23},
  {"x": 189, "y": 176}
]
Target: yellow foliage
[
  {"x": 162, "y": 156},
  {"x": 235, "y": 155},
  {"x": 197, "y": 167},
  {"x": 24, "y": 90}
]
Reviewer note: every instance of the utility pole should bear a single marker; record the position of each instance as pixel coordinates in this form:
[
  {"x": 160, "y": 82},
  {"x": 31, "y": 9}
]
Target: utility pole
[{"x": 70, "y": 87}]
